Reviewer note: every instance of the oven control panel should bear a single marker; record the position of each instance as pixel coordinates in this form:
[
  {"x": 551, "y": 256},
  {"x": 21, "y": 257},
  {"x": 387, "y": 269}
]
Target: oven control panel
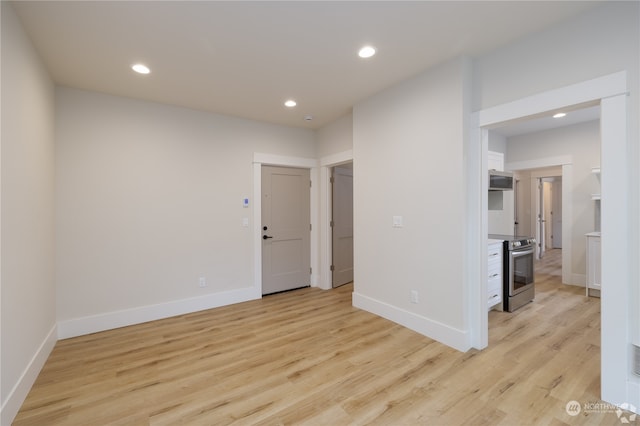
[{"x": 521, "y": 244}]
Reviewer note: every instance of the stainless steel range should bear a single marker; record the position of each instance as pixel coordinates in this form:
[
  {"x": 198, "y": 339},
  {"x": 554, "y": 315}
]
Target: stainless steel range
[{"x": 518, "y": 274}]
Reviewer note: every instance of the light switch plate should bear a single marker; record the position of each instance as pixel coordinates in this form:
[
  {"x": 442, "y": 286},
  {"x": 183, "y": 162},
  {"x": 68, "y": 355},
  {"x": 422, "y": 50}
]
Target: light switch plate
[
  {"x": 245, "y": 222},
  {"x": 397, "y": 222}
]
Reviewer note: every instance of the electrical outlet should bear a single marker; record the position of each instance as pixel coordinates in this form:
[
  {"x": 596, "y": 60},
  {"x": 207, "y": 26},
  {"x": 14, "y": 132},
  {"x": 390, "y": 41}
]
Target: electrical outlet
[
  {"x": 202, "y": 282},
  {"x": 414, "y": 296}
]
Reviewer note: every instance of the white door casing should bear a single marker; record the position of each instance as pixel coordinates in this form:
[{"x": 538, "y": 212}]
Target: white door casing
[
  {"x": 556, "y": 217},
  {"x": 541, "y": 228},
  {"x": 286, "y": 225},
  {"x": 546, "y": 188}
]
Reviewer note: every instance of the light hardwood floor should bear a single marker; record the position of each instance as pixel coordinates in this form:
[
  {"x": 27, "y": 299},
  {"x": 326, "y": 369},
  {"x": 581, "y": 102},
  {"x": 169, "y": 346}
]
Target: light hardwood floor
[
  {"x": 308, "y": 357},
  {"x": 551, "y": 263}
]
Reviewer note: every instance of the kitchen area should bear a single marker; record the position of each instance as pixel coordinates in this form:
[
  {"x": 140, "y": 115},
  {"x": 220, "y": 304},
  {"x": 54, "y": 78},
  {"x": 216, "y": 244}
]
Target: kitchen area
[
  {"x": 511, "y": 280},
  {"x": 544, "y": 200}
]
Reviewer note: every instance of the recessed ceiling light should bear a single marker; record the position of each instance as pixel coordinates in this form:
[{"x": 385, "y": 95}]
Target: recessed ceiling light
[
  {"x": 290, "y": 103},
  {"x": 559, "y": 115},
  {"x": 367, "y": 52},
  {"x": 141, "y": 69}
]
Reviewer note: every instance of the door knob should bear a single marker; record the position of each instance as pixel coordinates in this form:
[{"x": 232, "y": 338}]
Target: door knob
[
  {"x": 264, "y": 228},
  {"x": 264, "y": 237}
]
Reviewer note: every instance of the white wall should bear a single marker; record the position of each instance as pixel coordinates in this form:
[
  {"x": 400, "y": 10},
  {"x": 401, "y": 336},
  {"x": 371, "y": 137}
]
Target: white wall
[
  {"x": 27, "y": 217},
  {"x": 582, "y": 143},
  {"x": 335, "y": 137},
  {"x": 149, "y": 199},
  {"x": 408, "y": 161},
  {"x": 497, "y": 142}
]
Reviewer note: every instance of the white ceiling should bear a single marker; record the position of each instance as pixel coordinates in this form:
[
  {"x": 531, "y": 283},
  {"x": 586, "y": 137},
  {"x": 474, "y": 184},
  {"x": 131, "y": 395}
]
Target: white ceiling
[
  {"x": 246, "y": 58},
  {"x": 547, "y": 122}
]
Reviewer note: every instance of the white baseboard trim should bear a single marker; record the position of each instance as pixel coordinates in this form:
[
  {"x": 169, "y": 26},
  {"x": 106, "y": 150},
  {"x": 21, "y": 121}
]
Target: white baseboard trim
[
  {"x": 21, "y": 389},
  {"x": 633, "y": 390},
  {"x": 457, "y": 339},
  {"x": 110, "y": 320}
]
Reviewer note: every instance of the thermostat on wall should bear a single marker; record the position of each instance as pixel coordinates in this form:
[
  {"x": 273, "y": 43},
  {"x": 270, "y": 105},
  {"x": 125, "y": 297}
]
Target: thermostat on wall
[{"x": 245, "y": 202}]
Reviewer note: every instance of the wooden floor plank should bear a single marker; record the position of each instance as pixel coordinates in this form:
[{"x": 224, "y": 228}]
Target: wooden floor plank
[{"x": 308, "y": 357}]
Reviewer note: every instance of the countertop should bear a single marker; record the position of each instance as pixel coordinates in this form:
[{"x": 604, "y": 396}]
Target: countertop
[
  {"x": 492, "y": 241},
  {"x": 593, "y": 234}
]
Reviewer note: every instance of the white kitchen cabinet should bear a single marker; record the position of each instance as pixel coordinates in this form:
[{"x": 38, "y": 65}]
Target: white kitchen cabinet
[
  {"x": 495, "y": 161},
  {"x": 494, "y": 272},
  {"x": 593, "y": 262}
]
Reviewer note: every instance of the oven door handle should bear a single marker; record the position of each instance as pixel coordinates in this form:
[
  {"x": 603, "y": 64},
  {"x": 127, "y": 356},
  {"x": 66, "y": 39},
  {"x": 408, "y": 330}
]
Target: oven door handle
[{"x": 519, "y": 253}]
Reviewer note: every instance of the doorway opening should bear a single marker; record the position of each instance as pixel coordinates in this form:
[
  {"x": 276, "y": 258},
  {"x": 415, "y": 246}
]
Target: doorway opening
[
  {"x": 342, "y": 160},
  {"x": 547, "y": 220},
  {"x": 548, "y": 214},
  {"x": 341, "y": 225},
  {"x": 610, "y": 92},
  {"x": 540, "y": 203}
]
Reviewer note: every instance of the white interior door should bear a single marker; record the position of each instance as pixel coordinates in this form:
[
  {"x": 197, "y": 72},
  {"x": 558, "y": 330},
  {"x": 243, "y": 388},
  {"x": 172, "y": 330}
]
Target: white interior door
[
  {"x": 547, "y": 189},
  {"x": 286, "y": 227},
  {"x": 540, "y": 229},
  {"x": 556, "y": 218},
  {"x": 342, "y": 226}
]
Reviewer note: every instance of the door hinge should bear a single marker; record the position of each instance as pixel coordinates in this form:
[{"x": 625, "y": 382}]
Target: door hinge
[
  {"x": 310, "y": 184},
  {"x": 333, "y": 268},
  {"x": 310, "y": 227},
  {"x": 331, "y": 224},
  {"x": 331, "y": 179},
  {"x": 310, "y": 271}
]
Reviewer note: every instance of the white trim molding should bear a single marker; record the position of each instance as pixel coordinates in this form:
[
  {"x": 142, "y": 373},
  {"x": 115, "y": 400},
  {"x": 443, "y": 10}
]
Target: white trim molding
[
  {"x": 116, "y": 319},
  {"x": 540, "y": 163},
  {"x": 457, "y": 339},
  {"x": 19, "y": 393},
  {"x": 586, "y": 92},
  {"x": 284, "y": 160},
  {"x": 337, "y": 159},
  {"x": 616, "y": 244},
  {"x": 633, "y": 390}
]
